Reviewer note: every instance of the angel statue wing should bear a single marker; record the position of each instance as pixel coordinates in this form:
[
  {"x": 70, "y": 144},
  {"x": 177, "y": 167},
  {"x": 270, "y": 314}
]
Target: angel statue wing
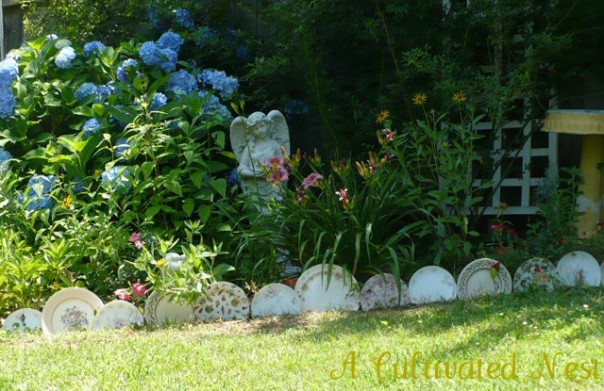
[
  {"x": 238, "y": 137},
  {"x": 279, "y": 131}
]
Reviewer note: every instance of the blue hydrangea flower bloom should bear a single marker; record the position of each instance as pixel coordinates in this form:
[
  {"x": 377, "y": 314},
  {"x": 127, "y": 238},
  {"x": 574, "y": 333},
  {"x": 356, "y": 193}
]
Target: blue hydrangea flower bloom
[
  {"x": 158, "y": 101},
  {"x": 213, "y": 106},
  {"x": 170, "y": 40},
  {"x": 7, "y": 103},
  {"x": 5, "y": 156},
  {"x": 183, "y": 17},
  {"x": 38, "y": 195},
  {"x": 219, "y": 81},
  {"x": 104, "y": 91},
  {"x": 116, "y": 178},
  {"x": 150, "y": 53},
  {"x": 127, "y": 65},
  {"x": 91, "y": 127},
  {"x": 93, "y": 47},
  {"x": 65, "y": 57},
  {"x": 9, "y": 71},
  {"x": 86, "y": 90},
  {"x": 169, "y": 60},
  {"x": 182, "y": 82},
  {"x": 122, "y": 148}
]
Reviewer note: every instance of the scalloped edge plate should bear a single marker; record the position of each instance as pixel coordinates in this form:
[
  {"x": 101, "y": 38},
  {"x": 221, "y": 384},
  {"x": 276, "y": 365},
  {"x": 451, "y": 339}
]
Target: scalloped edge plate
[
  {"x": 476, "y": 280},
  {"x": 68, "y": 309},
  {"x": 159, "y": 310},
  {"x": 225, "y": 301},
  {"x": 381, "y": 291},
  {"x": 536, "y": 272},
  {"x": 274, "y": 300},
  {"x": 432, "y": 284},
  {"x": 117, "y": 314},
  {"x": 24, "y": 319},
  {"x": 319, "y": 294}
]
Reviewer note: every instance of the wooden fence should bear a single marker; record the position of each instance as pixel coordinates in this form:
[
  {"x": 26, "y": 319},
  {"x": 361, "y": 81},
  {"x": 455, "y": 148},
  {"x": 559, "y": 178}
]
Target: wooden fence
[{"x": 11, "y": 19}]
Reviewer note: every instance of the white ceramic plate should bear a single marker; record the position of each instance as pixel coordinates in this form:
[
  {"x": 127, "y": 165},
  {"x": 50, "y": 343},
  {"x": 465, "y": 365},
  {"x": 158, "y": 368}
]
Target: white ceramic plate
[
  {"x": 381, "y": 291},
  {"x": 25, "y": 319},
  {"x": 579, "y": 268},
  {"x": 225, "y": 301},
  {"x": 430, "y": 284},
  {"x": 117, "y": 314},
  {"x": 70, "y": 309},
  {"x": 319, "y": 292},
  {"x": 536, "y": 272},
  {"x": 275, "y": 300},
  {"x": 159, "y": 310},
  {"x": 483, "y": 276}
]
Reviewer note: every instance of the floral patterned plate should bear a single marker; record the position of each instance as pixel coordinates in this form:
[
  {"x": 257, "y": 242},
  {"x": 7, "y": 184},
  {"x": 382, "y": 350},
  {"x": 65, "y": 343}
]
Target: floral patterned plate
[
  {"x": 70, "y": 309},
  {"x": 320, "y": 292},
  {"x": 225, "y": 301},
  {"x": 117, "y": 314},
  {"x": 579, "y": 268},
  {"x": 274, "y": 300},
  {"x": 483, "y": 276},
  {"x": 536, "y": 272},
  {"x": 430, "y": 284},
  {"x": 381, "y": 291},
  {"x": 25, "y": 319},
  {"x": 160, "y": 310}
]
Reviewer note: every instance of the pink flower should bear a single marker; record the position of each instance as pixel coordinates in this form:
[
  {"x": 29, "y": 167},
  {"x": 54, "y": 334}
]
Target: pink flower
[
  {"x": 300, "y": 195},
  {"x": 390, "y": 134},
  {"x": 275, "y": 162},
  {"x": 139, "y": 289},
  {"x": 312, "y": 180},
  {"x": 343, "y": 194},
  {"x": 135, "y": 237},
  {"x": 278, "y": 177},
  {"x": 123, "y": 294}
]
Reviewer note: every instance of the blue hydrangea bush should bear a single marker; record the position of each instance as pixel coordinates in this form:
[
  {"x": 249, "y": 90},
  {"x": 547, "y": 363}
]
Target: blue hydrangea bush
[{"x": 99, "y": 142}]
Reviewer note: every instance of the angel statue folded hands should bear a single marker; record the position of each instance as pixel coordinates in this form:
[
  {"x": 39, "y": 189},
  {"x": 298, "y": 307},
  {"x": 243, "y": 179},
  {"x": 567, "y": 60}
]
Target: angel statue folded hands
[{"x": 255, "y": 140}]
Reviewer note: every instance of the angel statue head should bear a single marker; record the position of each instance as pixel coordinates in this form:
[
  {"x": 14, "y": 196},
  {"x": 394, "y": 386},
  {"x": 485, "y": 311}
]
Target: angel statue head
[{"x": 255, "y": 139}]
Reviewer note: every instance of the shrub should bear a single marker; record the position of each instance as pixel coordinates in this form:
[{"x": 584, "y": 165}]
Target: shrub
[{"x": 101, "y": 142}]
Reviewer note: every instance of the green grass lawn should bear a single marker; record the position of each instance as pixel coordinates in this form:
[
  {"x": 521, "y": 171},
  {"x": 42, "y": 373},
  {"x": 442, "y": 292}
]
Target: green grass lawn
[{"x": 521, "y": 341}]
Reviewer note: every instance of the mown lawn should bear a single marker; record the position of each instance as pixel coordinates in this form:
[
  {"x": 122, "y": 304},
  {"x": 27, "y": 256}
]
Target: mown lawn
[{"x": 517, "y": 342}]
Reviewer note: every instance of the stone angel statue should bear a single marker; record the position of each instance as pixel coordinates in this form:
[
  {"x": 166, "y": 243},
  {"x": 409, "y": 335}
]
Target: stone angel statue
[{"x": 254, "y": 140}]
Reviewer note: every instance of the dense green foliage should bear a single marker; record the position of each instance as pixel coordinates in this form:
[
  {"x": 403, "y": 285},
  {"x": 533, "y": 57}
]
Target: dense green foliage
[{"x": 101, "y": 186}]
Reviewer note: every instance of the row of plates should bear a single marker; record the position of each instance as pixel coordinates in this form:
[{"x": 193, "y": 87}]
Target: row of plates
[{"x": 320, "y": 288}]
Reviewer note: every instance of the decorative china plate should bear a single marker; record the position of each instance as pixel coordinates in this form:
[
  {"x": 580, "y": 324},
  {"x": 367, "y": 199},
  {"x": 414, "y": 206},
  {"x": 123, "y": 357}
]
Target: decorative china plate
[
  {"x": 483, "y": 276},
  {"x": 70, "y": 309},
  {"x": 319, "y": 291},
  {"x": 225, "y": 301},
  {"x": 536, "y": 272},
  {"x": 579, "y": 268},
  {"x": 159, "y": 310},
  {"x": 430, "y": 284},
  {"x": 381, "y": 291},
  {"x": 117, "y": 314},
  {"x": 25, "y": 319},
  {"x": 274, "y": 300}
]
